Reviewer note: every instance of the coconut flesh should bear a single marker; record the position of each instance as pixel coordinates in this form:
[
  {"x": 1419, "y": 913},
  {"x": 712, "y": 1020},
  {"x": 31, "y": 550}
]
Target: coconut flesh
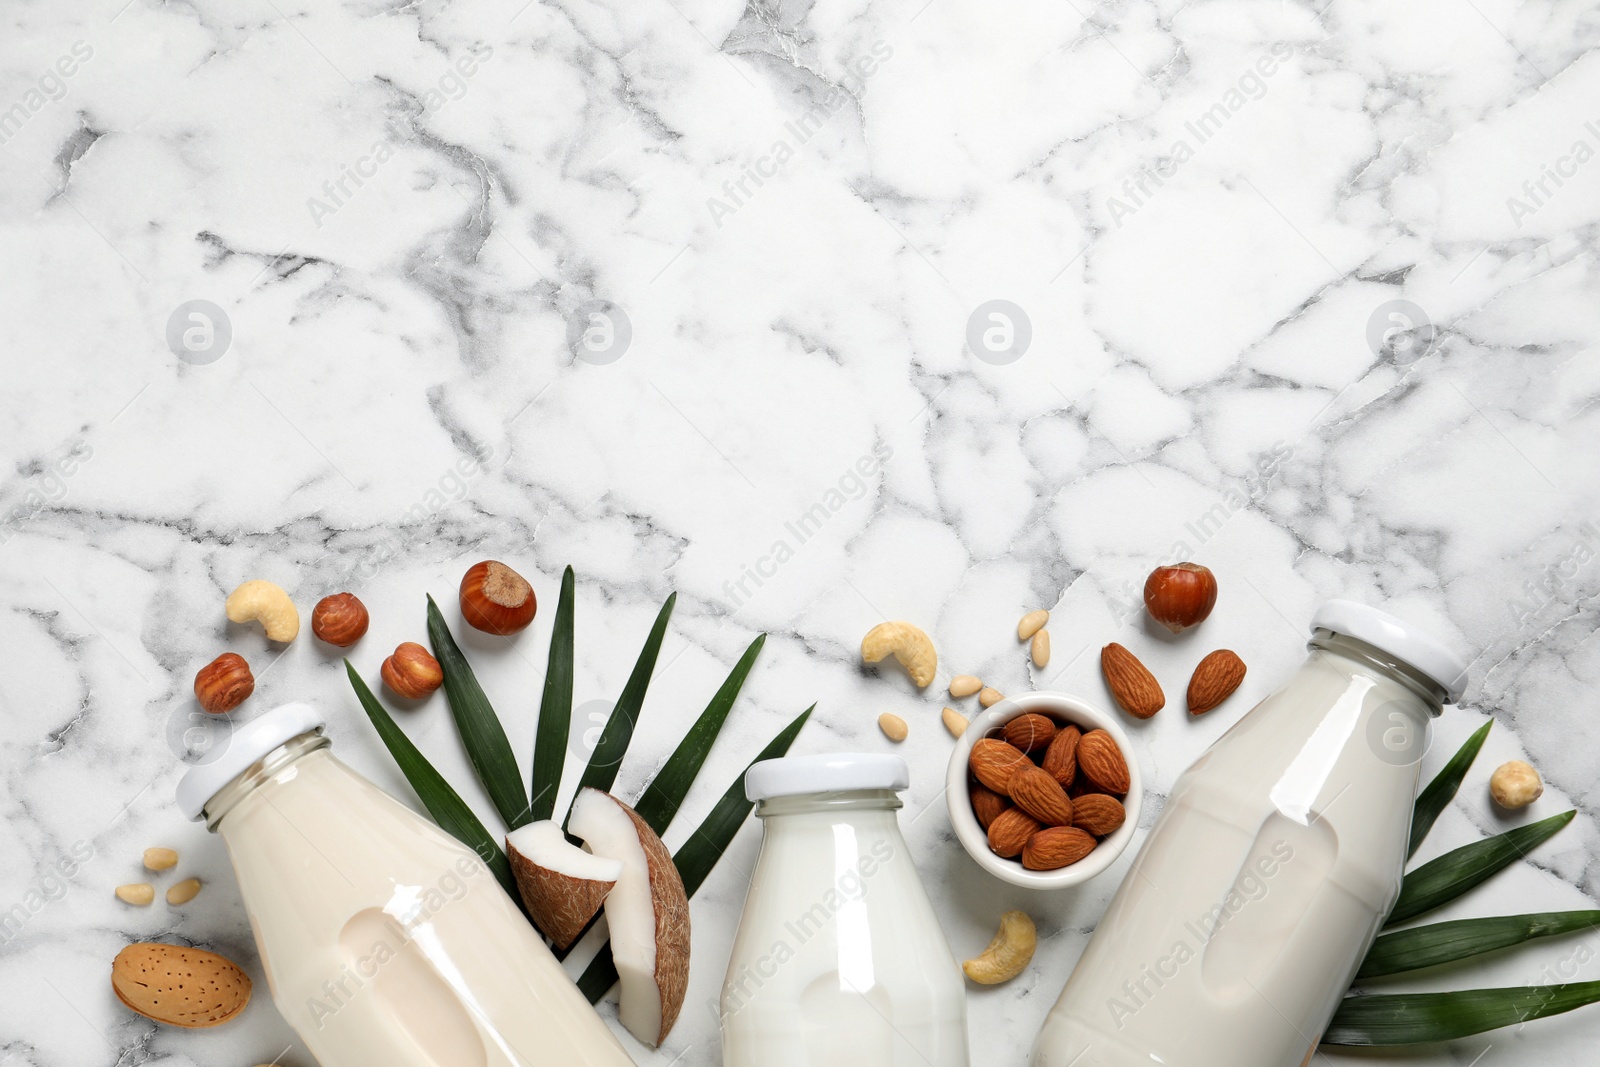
[
  {"x": 647, "y": 912},
  {"x": 561, "y": 885}
]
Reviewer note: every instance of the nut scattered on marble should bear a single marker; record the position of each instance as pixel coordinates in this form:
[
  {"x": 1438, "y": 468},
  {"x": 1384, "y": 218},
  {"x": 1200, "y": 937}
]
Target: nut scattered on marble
[
  {"x": 160, "y": 859},
  {"x": 964, "y": 685},
  {"x": 1040, "y": 649},
  {"x": 907, "y": 644},
  {"x": 340, "y": 619},
  {"x": 139, "y": 895},
  {"x": 224, "y": 684},
  {"x": 412, "y": 672},
  {"x": 266, "y": 603},
  {"x": 954, "y": 721},
  {"x": 1032, "y": 623},
  {"x": 893, "y": 727},
  {"x": 1515, "y": 785},
  {"x": 184, "y": 891},
  {"x": 1008, "y": 955},
  {"x": 990, "y": 697}
]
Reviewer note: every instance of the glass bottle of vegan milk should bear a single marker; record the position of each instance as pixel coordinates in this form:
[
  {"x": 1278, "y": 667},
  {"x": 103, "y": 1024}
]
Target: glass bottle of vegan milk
[
  {"x": 1271, "y": 869},
  {"x": 384, "y": 939},
  {"x": 839, "y": 960}
]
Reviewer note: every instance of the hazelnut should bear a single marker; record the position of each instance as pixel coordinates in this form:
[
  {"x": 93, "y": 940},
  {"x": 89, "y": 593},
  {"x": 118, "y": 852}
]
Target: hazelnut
[
  {"x": 496, "y": 599},
  {"x": 412, "y": 672},
  {"x": 1515, "y": 785},
  {"x": 224, "y": 683},
  {"x": 1181, "y": 595},
  {"x": 340, "y": 619}
]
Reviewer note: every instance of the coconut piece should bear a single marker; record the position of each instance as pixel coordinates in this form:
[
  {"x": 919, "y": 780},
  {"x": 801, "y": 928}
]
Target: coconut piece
[
  {"x": 647, "y": 912},
  {"x": 562, "y": 885}
]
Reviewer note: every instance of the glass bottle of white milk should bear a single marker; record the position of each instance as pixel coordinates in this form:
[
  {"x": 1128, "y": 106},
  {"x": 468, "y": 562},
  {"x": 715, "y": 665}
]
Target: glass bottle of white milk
[
  {"x": 384, "y": 939},
  {"x": 1271, "y": 868},
  {"x": 839, "y": 960}
]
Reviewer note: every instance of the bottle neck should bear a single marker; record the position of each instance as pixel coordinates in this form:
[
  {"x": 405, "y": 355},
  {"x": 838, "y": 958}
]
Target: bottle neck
[
  {"x": 854, "y": 800},
  {"x": 259, "y": 773},
  {"x": 1370, "y": 659}
]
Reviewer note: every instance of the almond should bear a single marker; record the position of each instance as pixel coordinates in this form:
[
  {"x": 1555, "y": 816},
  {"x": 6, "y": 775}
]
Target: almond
[
  {"x": 987, "y": 805},
  {"x": 1102, "y": 763},
  {"x": 1214, "y": 681},
  {"x": 1009, "y": 832},
  {"x": 1029, "y": 732},
  {"x": 1098, "y": 814},
  {"x": 179, "y": 986},
  {"x": 993, "y": 762},
  {"x": 1061, "y": 758},
  {"x": 1057, "y": 846},
  {"x": 1130, "y": 682},
  {"x": 1038, "y": 794}
]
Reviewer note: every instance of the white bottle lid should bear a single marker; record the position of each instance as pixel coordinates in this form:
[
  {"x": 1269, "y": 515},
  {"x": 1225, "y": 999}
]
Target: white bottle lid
[
  {"x": 1400, "y": 639},
  {"x": 833, "y": 772},
  {"x": 243, "y": 747}
]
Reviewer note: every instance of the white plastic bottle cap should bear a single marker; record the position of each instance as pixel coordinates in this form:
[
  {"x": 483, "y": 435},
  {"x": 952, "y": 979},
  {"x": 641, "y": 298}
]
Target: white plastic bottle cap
[
  {"x": 829, "y": 773},
  {"x": 1400, "y": 639},
  {"x": 245, "y": 746}
]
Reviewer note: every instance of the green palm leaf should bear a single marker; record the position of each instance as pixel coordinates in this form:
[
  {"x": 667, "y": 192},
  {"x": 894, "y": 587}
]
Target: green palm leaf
[
  {"x": 481, "y": 733},
  {"x": 664, "y": 795},
  {"x": 604, "y": 761},
  {"x": 1439, "y": 792},
  {"x": 442, "y": 802},
  {"x": 555, "y": 710},
  {"x": 1442, "y": 880},
  {"x": 1446, "y": 942},
  {"x": 701, "y": 852},
  {"x": 1411, "y": 1018}
]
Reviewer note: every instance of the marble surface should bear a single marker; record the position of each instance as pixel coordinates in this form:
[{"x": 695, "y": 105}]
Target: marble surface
[{"x": 402, "y": 220}]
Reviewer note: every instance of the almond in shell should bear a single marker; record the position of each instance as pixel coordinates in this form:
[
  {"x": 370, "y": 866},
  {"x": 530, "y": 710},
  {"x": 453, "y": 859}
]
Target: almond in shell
[
  {"x": 179, "y": 986},
  {"x": 993, "y": 762},
  {"x": 1061, "y": 758},
  {"x": 1010, "y": 831},
  {"x": 1102, "y": 763},
  {"x": 1214, "y": 681},
  {"x": 1038, "y": 794},
  {"x": 1056, "y": 847},
  {"x": 1130, "y": 682},
  {"x": 1098, "y": 814}
]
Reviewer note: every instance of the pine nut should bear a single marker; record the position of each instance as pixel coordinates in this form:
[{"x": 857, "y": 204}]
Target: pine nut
[
  {"x": 1041, "y": 648},
  {"x": 160, "y": 859},
  {"x": 964, "y": 685},
  {"x": 1032, "y": 623},
  {"x": 893, "y": 727},
  {"x": 184, "y": 891},
  {"x": 139, "y": 895},
  {"x": 990, "y": 697},
  {"x": 954, "y": 721}
]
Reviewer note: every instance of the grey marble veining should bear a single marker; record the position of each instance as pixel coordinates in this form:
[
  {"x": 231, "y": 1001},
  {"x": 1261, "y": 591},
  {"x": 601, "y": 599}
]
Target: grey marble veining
[{"x": 1308, "y": 293}]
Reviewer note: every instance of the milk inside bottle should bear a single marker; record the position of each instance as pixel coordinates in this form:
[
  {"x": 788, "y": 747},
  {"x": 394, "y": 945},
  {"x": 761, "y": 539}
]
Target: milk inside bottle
[
  {"x": 384, "y": 939},
  {"x": 1273, "y": 864}
]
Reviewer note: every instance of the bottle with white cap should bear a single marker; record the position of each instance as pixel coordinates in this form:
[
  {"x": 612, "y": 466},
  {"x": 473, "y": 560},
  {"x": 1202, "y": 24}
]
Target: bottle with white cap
[
  {"x": 1270, "y": 871},
  {"x": 839, "y": 960},
  {"x": 385, "y": 940}
]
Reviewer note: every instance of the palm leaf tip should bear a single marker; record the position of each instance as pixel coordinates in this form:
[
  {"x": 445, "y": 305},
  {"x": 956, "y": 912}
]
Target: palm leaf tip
[
  {"x": 1442, "y": 880},
  {"x": 1418, "y": 1018},
  {"x": 482, "y": 735},
  {"x": 1436, "y": 796},
  {"x": 555, "y": 708}
]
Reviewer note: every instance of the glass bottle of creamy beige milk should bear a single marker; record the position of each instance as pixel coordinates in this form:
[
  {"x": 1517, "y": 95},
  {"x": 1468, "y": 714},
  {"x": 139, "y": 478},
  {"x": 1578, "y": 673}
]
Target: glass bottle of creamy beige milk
[
  {"x": 839, "y": 960},
  {"x": 384, "y": 939},
  {"x": 1273, "y": 864}
]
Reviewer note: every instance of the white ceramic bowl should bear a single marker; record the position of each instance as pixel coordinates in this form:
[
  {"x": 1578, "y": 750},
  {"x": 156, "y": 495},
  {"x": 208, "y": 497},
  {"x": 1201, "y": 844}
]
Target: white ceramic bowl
[{"x": 1063, "y": 709}]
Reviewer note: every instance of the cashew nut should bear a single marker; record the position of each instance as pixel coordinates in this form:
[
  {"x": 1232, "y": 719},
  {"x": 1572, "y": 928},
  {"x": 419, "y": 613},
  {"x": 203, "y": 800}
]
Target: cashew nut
[
  {"x": 261, "y": 601},
  {"x": 1008, "y": 955},
  {"x": 906, "y": 643}
]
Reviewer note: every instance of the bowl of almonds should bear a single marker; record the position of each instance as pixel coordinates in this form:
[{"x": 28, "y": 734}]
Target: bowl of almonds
[{"x": 1042, "y": 790}]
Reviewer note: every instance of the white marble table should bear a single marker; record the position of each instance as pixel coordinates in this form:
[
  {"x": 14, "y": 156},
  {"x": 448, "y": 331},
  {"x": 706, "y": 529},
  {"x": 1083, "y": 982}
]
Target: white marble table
[{"x": 400, "y": 216}]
